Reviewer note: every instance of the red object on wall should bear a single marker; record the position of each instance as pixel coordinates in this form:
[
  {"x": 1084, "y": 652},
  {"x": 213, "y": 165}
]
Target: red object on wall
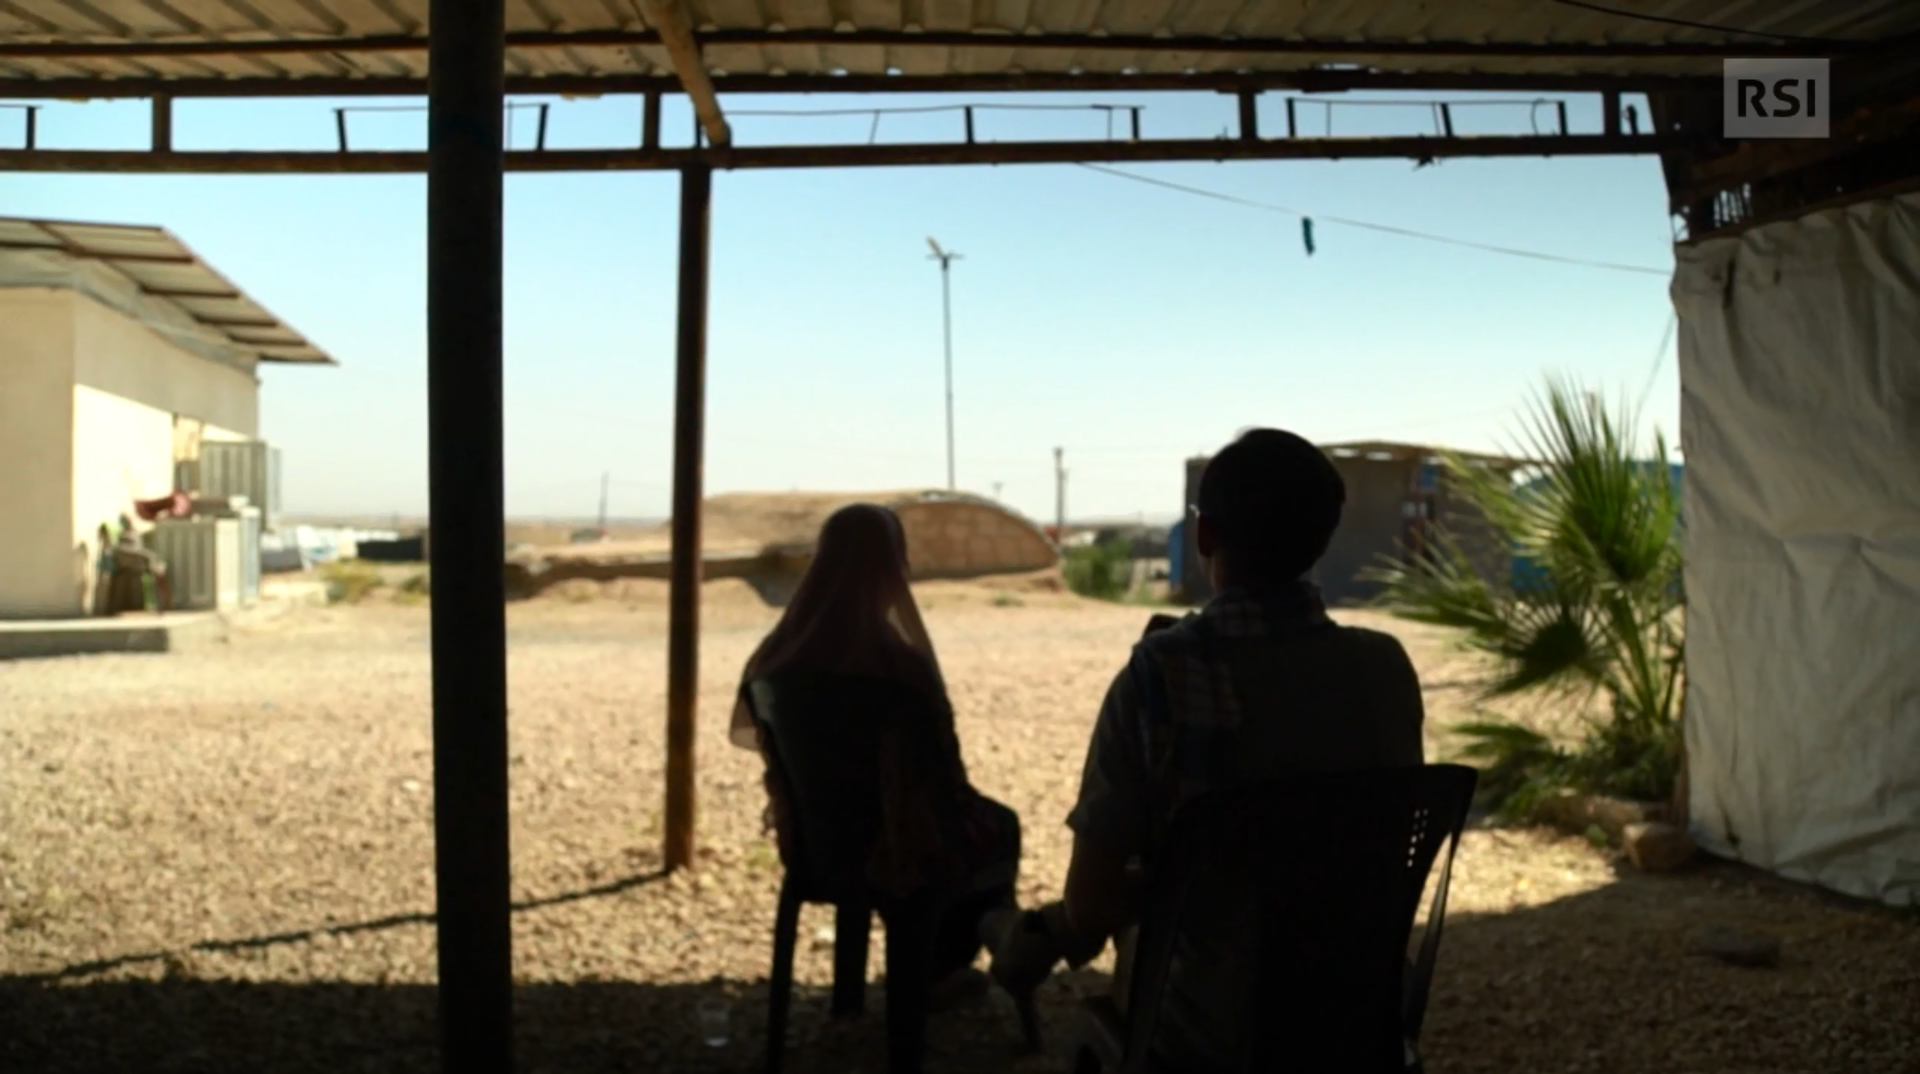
[{"x": 174, "y": 505}]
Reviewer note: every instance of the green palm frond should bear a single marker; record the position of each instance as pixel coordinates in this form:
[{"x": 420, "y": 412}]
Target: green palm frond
[{"x": 1603, "y": 528}]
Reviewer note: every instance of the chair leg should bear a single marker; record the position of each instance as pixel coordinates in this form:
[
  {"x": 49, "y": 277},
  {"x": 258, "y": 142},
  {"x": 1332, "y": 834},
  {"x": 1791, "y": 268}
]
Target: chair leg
[
  {"x": 910, "y": 927},
  {"x": 786, "y": 924},
  {"x": 852, "y": 930}
]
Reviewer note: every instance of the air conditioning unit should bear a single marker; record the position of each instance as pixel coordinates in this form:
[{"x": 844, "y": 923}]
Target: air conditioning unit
[
  {"x": 206, "y": 570},
  {"x": 249, "y": 468}
]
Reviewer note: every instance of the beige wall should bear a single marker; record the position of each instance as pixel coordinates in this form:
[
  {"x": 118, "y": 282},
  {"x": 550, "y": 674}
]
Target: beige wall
[
  {"x": 88, "y": 399},
  {"x": 123, "y": 357},
  {"x": 37, "y": 556},
  {"x": 122, "y": 452}
]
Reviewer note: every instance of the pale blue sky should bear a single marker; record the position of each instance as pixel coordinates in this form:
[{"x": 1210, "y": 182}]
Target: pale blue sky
[{"x": 1130, "y": 325}]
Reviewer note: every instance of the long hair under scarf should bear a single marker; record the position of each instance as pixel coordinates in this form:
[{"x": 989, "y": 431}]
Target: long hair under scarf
[{"x": 853, "y": 613}]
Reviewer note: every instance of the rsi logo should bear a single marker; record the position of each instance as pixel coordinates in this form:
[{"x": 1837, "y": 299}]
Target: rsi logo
[
  {"x": 1752, "y": 95},
  {"x": 1776, "y": 98}
]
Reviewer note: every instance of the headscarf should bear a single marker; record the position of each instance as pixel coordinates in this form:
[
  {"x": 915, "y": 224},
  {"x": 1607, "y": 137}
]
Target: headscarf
[{"x": 853, "y": 613}]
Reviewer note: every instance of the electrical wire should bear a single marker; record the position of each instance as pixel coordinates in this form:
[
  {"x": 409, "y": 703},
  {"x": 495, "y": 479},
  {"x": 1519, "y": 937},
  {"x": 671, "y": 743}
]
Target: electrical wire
[
  {"x": 1387, "y": 229},
  {"x": 1659, "y": 359},
  {"x": 1667, "y": 20}
]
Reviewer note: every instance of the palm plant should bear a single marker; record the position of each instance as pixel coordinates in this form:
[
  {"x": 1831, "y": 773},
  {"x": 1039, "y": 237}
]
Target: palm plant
[{"x": 1598, "y": 613}]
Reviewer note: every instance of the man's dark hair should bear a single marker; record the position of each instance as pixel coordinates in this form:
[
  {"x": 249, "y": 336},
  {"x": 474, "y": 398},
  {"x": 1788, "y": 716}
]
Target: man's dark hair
[{"x": 1272, "y": 501}]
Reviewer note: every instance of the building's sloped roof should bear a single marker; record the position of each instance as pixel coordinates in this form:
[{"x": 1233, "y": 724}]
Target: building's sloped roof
[{"x": 147, "y": 273}]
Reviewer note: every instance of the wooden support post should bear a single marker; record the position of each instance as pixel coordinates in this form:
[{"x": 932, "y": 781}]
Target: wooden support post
[
  {"x": 650, "y": 120},
  {"x": 162, "y": 124},
  {"x": 466, "y": 542},
  {"x": 1249, "y": 115},
  {"x": 689, "y": 440},
  {"x": 1610, "y": 113}
]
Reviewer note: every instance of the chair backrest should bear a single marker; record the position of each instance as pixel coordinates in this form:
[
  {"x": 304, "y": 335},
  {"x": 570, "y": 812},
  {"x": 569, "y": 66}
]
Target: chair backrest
[
  {"x": 1320, "y": 878},
  {"x": 824, "y": 733}
]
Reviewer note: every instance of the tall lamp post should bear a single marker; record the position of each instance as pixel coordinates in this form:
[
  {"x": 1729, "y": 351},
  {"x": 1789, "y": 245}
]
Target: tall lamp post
[{"x": 946, "y": 259}]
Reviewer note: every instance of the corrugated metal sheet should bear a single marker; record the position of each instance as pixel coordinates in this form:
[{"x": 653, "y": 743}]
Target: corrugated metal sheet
[
  {"x": 249, "y": 468},
  {"x": 1542, "y": 22},
  {"x": 159, "y": 271},
  {"x": 204, "y": 561}
]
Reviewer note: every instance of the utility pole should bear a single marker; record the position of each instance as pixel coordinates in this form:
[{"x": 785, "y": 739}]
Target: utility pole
[
  {"x": 1060, "y": 492},
  {"x": 604, "y": 478},
  {"x": 946, "y": 259}
]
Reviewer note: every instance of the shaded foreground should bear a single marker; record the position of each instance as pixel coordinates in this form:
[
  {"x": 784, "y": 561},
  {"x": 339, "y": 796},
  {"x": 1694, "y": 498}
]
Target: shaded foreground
[{"x": 220, "y": 860}]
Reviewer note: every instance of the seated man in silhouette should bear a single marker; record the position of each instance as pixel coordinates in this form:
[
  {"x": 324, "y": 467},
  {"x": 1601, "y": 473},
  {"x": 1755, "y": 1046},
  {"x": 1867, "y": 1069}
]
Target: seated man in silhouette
[{"x": 1258, "y": 685}]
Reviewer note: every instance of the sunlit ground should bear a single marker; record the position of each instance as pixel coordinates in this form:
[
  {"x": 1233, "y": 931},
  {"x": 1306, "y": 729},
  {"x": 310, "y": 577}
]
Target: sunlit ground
[{"x": 220, "y": 859}]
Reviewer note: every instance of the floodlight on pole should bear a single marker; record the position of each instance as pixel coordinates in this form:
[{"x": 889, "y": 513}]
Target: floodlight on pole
[{"x": 946, "y": 259}]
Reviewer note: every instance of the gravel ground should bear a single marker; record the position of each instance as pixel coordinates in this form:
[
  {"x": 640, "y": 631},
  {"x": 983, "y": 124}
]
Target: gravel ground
[{"x": 221, "y": 860}]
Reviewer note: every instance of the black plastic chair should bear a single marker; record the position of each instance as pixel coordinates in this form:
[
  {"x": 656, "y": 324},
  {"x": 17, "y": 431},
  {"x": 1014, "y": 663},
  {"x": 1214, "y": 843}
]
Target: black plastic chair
[
  {"x": 823, "y": 734},
  {"x": 1335, "y": 865}
]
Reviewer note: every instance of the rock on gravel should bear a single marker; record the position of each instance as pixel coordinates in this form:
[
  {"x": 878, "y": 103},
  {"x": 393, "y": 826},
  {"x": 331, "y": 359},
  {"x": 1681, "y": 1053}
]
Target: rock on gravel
[{"x": 1657, "y": 848}]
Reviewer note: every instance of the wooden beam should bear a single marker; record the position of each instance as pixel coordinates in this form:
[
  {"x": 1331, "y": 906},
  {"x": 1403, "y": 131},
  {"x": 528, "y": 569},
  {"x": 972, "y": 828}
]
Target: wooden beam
[
  {"x": 467, "y": 537},
  {"x": 1756, "y": 161},
  {"x": 162, "y": 124},
  {"x": 675, "y": 27},
  {"x": 663, "y": 33},
  {"x": 689, "y": 440},
  {"x": 373, "y": 162},
  {"x": 1306, "y": 81}
]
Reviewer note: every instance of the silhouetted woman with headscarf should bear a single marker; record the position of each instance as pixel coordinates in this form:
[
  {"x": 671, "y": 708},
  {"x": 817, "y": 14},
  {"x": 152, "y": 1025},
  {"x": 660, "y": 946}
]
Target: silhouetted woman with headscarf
[{"x": 854, "y": 613}]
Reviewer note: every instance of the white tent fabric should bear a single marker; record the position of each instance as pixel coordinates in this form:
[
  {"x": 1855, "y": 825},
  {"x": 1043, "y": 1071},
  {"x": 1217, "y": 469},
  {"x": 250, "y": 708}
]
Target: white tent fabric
[{"x": 1800, "y": 418}]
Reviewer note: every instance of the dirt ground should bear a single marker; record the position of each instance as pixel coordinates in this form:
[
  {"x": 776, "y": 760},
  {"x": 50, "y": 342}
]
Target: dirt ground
[{"x": 221, "y": 859}]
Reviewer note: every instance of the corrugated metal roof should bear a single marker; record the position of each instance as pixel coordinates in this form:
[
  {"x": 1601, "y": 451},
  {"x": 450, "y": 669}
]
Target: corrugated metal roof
[
  {"x": 163, "y": 270},
  {"x": 738, "y": 30}
]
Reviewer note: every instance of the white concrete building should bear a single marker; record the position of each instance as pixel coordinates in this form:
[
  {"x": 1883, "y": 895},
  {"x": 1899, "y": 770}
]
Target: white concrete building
[{"x": 120, "y": 352}]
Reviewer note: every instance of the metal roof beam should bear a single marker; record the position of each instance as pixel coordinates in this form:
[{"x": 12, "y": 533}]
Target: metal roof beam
[
  {"x": 848, "y": 156},
  {"x": 1306, "y": 81},
  {"x": 675, "y": 31},
  {"x": 677, "y": 34}
]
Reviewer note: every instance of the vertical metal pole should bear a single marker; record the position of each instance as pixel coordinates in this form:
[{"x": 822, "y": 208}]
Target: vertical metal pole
[
  {"x": 1136, "y": 122},
  {"x": 162, "y": 124},
  {"x": 1293, "y": 120},
  {"x": 1249, "y": 115},
  {"x": 1563, "y": 117},
  {"x": 1060, "y": 494},
  {"x": 969, "y": 113},
  {"x": 650, "y": 121},
  {"x": 340, "y": 120},
  {"x": 946, "y": 314},
  {"x": 689, "y": 438},
  {"x": 1610, "y": 113},
  {"x": 1446, "y": 119},
  {"x": 466, "y": 540},
  {"x": 33, "y": 124},
  {"x": 540, "y": 132}
]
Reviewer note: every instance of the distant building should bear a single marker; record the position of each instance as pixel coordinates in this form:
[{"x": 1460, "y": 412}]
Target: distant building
[
  {"x": 123, "y": 356},
  {"x": 1396, "y": 494}
]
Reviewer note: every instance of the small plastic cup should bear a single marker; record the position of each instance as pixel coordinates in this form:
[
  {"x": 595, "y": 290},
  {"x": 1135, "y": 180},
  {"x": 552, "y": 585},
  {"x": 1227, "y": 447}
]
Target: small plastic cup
[{"x": 716, "y": 1022}]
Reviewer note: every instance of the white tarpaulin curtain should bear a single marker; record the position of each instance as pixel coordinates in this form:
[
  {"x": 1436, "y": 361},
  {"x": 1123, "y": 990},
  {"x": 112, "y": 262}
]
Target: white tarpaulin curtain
[{"x": 1800, "y": 420}]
